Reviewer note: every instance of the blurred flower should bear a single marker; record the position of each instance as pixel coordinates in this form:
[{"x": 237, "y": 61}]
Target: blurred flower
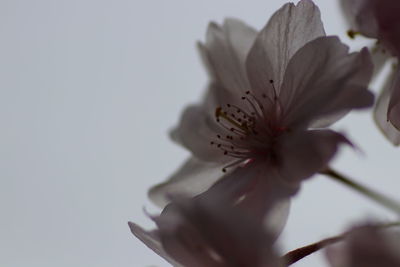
[
  {"x": 267, "y": 90},
  {"x": 377, "y": 19},
  {"x": 367, "y": 246},
  {"x": 380, "y": 19},
  {"x": 202, "y": 232}
]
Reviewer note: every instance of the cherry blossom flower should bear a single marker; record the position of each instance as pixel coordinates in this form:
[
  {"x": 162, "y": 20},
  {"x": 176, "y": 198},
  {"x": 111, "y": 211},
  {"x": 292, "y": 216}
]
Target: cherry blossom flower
[
  {"x": 367, "y": 246},
  {"x": 259, "y": 127},
  {"x": 376, "y": 19},
  {"x": 202, "y": 232},
  {"x": 380, "y": 19}
]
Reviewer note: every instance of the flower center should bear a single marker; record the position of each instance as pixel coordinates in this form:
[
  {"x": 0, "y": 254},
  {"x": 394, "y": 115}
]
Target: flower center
[{"x": 250, "y": 130}]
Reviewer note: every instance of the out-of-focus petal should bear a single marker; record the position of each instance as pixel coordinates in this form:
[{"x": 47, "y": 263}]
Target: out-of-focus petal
[
  {"x": 361, "y": 17},
  {"x": 394, "y": 103},
  {"x": 259, "y": 191},
  {"x": 193, "y": 177},
  {"x": 308, "y": 152},
  {"x": 381, "y": 108},
  {"x": 366, "y": 246},
  {"x": 152, "y": 241},
  {"x": 333, "y": 83},
  {"x": 209, "y": 230},
  {"x": 387, "y": 15},
  {"x": 181, "y": 236},
  {"x": 195, "y": 132},
  {"x": 225, "y": 50},
  {"x": 290, "y": 28}
]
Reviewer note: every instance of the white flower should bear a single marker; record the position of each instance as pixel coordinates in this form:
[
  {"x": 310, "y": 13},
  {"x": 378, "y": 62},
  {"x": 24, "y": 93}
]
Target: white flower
[{"x": 269, "y": 92}]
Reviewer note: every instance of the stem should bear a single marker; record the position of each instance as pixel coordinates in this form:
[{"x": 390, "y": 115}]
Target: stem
[
  {"x": 300, "y": 253},
  {"x": 368, "y": 192}
]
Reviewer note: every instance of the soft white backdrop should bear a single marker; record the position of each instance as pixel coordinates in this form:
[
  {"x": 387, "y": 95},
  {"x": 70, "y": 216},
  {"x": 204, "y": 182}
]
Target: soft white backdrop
[{"x": 88, "y": 91}]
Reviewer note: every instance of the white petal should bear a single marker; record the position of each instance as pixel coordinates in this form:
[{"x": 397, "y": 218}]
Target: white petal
[
  {"x": 322, "y": 79},
  {"x": 290, "y": 28},
  {"x": 225, "y": 50},
  {"x": 152, "y": 241},
  {"x": 194, "y": 177},
  {"x": 380, "y": 112}
]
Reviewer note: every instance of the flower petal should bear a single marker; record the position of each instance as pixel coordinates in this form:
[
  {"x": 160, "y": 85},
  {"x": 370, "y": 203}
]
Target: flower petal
[
  {"x": 332, "y": 83},
  {"x": 361, "y": 17},
  {"x": 194, "y": 177},
  {"x": 181, "y": 237},
  {"x": 259, "y": 191},
  {"x": 225, "y": 51},
  {"x": 152, "y": 241},
  {"x": 381, "y": 111},
  {"x": 394, "y": 103},
  {"x": 308, "y": 152},
  {"x": 366, "y": 246},
  {"x": 215, "y": 232},
  {"x": 198, "y": 126},
  {"x": 290, "y": 28}
]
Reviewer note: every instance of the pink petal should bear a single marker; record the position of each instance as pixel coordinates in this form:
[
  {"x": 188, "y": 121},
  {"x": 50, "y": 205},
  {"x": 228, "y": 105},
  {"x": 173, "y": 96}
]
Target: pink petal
[
  {"x": 381, "y": 111},
  {"x": 290, "y": 28},
  {"x": 387, "y": 16},
  {"x": 367, "y": 246},
  {"x": 322, "y": 79},
  {"x": 152, "y": 241},
  {"x": 182, "y": 238},
  {"x": 259, "y": 191},
  {"x": 224, "y": 53},
  {"x": 361, "y": 16},
  {"x": 394, "y": 103},
  {"x": 308, "y": 152},
  {"x": 193, "y": 177},
  {"x": 196, "y": 131},
  {"x": 205, "y": 225},
  {"x": 198, "y": 128}
]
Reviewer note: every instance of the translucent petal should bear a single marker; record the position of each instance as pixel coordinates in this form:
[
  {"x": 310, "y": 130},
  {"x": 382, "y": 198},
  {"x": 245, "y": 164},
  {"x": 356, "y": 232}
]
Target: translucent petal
[
  {"x": 290, "y": 28},
  {"x": 332, "y": 83},
  {"x": 381, "y": 111},
  {"x": 193, "y": 177}
]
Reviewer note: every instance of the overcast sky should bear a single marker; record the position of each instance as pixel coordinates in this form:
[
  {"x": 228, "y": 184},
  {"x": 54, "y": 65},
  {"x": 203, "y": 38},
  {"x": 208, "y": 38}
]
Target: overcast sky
[{"x": 89, "y": 90}]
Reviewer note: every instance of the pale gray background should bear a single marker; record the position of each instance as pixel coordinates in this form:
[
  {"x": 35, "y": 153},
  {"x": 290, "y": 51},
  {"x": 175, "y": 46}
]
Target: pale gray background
[{"x": 89, "y": 89}]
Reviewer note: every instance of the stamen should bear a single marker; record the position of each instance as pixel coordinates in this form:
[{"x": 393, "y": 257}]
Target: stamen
[
  {"x": 240, "y": 127},
  {"x": 224, "y": 169},
  {"x": 274, "y": 89},
  {"x": 279, "y": 107}
]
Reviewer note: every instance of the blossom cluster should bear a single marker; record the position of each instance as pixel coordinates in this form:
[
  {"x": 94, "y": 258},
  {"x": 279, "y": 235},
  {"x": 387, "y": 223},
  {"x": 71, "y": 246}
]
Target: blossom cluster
[{"x": 262, "y": 128}]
